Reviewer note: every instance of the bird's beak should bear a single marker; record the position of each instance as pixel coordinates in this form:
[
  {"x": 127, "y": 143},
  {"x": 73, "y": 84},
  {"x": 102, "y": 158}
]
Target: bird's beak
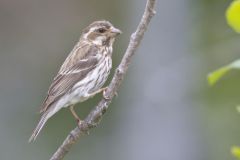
[{"x": 116, "y": 31}]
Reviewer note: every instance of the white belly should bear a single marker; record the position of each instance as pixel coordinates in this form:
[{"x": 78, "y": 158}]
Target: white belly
[{"x": 93, "y": 82}]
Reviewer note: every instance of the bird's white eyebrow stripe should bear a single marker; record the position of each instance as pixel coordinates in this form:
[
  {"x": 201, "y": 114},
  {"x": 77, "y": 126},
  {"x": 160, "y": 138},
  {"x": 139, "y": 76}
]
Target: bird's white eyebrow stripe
[{"x": 90, "y": 31}]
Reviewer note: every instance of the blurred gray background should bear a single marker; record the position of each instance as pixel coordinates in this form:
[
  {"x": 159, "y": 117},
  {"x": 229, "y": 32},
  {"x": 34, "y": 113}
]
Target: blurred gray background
[{"x": 165, "y": 109}]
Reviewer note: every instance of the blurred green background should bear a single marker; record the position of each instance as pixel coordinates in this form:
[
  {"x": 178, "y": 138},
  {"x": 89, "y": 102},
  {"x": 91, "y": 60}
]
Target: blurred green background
[{"x": 165, "y": 109}]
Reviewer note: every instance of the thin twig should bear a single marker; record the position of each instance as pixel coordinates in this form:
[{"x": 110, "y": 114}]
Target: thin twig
[{"x": 96, "y": 114}]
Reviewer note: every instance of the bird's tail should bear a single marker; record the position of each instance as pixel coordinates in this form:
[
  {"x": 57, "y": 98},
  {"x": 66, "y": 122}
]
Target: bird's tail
[{"x": 46, "y": 115}]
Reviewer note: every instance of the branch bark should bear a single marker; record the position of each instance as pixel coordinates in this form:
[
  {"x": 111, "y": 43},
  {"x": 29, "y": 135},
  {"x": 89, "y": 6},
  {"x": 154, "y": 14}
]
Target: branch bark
[{"x": 94, "y": 117}]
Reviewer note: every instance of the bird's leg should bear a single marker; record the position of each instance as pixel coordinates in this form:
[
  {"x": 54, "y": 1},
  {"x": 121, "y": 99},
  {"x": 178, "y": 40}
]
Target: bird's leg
[
  {"x": 74, "y": 114},
  {"x": 79, "y": 121},
  {"x": 98, "y": 91}
]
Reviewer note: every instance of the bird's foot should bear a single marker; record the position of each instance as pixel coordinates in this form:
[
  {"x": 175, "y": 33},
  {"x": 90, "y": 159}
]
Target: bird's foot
[
  {"x": 104, "y": 93},
  {"x": 83, "y": 126}
]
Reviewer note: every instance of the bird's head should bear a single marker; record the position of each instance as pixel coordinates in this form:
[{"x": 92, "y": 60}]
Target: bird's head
[{"x": 101, "y": 33}]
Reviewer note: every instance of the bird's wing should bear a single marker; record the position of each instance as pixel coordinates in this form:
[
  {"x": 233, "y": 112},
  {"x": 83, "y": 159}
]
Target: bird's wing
[{"x": 66, "y": 79}]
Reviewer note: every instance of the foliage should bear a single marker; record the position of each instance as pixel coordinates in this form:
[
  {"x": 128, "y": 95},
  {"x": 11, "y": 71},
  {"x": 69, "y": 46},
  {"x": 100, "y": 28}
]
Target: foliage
[
  {"x": 233, "y": 19},
  {"x": 236, "y": 151},
  {"x": 233, "y": 15},
  {"x": 214, "y": 76}
]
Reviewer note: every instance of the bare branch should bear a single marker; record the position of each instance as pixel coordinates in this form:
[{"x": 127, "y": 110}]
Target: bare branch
[{"x": 96, "y": 114}]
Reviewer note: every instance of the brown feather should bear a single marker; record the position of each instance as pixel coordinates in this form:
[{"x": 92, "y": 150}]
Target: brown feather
[{"x": 71, "y": 72}]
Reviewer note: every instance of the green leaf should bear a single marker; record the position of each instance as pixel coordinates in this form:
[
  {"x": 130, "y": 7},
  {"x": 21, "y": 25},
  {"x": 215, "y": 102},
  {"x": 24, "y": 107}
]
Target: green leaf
[
  {"x": 233, "y": 15},
  {"x": 214, "y": 76},
  {"x": 235, "y": 150}
]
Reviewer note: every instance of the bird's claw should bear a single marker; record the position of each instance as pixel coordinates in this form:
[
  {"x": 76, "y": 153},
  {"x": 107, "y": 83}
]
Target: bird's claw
[
  {"x": 83, "y": 126},
  {"x": 104, "y": 94},
  {"x": 107, "y": 97}
]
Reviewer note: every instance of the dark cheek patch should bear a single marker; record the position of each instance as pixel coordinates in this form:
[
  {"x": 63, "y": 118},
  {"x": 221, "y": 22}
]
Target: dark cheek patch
[{"x": 92, "y": 36}]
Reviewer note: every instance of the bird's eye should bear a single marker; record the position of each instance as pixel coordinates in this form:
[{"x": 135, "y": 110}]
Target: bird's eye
[{"x": 101, "y": 30}]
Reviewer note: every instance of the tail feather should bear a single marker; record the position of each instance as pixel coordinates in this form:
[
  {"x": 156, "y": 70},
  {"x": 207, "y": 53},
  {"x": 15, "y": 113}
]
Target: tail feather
[{"x": 39, "y": 127}]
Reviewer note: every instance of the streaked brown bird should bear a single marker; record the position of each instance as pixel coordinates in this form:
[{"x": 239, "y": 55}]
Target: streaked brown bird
[{"x": 82, "y": 74}]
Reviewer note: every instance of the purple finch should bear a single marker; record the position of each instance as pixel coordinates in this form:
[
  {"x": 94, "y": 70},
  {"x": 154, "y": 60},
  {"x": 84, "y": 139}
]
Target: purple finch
[{"x": 82, "y": 74}]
